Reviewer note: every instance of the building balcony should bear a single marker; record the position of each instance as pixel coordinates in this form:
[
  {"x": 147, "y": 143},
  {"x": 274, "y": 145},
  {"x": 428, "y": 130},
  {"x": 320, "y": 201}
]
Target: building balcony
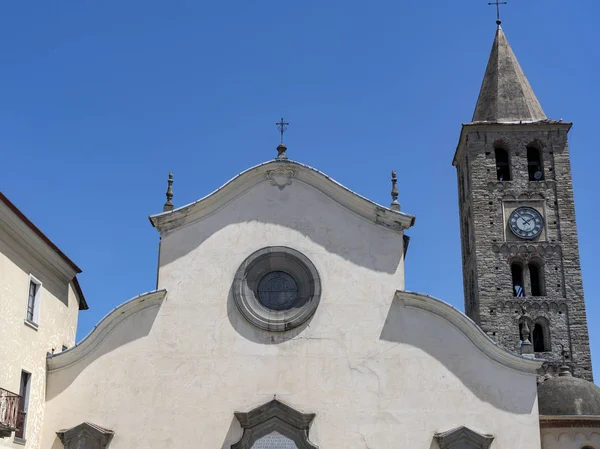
[{"x": 10, "y": 412}]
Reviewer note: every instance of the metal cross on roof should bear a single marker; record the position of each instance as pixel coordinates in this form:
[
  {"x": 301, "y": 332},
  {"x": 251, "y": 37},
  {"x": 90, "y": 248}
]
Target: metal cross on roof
[
  {"x": 282, "y": 126},
  {"x": 497, "y": 3}
]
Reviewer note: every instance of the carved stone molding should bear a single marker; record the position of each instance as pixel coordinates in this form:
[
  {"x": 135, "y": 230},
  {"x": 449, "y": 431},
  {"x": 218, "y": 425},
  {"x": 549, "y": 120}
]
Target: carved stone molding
[
  {"x": 85, "y": 436},
  {"x": 542, "y": 305},
  {"x": 274, "y": 416},
  {"x": 527, "y": 251},
  {"x": 549, "y": 422},
  {"x": 463, "y": 438},
  {"x": 281, "y": 177}
]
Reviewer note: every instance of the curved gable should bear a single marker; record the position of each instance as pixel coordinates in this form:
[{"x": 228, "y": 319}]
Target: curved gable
[
  {"x": 281, "y": 174},
  {"x": 469, "y": 329}
]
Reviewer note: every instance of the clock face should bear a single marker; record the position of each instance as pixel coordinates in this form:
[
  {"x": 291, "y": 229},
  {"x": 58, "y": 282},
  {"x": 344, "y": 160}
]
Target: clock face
[{"x": 526, "y": 222}]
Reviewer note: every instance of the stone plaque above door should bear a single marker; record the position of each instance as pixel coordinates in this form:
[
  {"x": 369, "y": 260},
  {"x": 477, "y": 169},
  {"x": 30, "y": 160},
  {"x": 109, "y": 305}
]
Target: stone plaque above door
[{"x": 274, "y": 440}]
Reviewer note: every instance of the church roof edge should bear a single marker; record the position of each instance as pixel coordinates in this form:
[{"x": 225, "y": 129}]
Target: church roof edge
[
  {"x": 471, "y": 330},
  {"x": 104, "y": 327},
  {"x": 281, "y": 173}
]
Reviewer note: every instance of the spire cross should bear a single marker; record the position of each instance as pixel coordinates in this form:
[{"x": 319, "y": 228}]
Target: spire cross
[
  {"x": 282, "y": 126},
  {"x": 497, "y": 3}
]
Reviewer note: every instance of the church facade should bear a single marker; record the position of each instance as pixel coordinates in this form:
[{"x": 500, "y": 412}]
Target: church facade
[{"x": 281, "y": 320}]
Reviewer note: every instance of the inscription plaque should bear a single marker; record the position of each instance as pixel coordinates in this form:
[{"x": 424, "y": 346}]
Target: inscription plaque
[{"x": 274, "y": 440}]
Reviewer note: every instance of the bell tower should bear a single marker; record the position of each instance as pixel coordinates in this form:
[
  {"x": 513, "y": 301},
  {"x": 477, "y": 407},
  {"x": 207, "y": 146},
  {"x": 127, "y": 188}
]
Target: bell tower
[{"x": 520, "y": 255}]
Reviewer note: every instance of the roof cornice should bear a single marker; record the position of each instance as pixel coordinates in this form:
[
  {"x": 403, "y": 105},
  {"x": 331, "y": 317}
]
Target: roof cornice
[
  {"x": 83, "y": 305},
  {"x": 93, "y": 340},
  {"x": 34, "y": 241},
  {"x": 27, "y": 230},
  {"x": 473, "y": 332},
  {"x": 281, "y": 173},
  {"x": 577, "y": 421}
]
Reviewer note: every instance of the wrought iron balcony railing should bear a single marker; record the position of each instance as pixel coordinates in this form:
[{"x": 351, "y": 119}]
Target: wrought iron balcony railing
[{"x": 10, "y": 409}]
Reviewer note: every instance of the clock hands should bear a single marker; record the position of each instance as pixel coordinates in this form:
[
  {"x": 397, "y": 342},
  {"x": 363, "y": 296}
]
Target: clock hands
[{"x": 526, "y": 222}]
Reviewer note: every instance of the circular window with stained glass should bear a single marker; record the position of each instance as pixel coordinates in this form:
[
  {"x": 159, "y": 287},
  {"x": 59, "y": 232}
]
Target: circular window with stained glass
[{"x": 277, "y": 288}]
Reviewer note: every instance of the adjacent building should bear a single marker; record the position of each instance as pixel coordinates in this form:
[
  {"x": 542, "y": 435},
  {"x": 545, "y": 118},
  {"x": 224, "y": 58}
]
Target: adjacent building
[{"x": 40, "y": 299}]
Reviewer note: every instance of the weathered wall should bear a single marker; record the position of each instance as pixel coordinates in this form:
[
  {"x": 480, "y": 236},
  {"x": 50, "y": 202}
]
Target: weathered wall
[
  {"x": 23, "y": 347},
  {"x": 377, "y": 373},
  {"x": 489, "y": 248}
]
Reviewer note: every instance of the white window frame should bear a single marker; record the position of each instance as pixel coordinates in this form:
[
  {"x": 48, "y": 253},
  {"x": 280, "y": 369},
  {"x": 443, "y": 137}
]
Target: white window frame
[
  {"x": 25, "y": 397},
  {"x": 36, "y": 301}
]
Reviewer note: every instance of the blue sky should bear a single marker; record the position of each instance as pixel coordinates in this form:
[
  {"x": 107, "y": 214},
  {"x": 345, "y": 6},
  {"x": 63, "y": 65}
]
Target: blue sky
[{"x": 100, "y": 100}]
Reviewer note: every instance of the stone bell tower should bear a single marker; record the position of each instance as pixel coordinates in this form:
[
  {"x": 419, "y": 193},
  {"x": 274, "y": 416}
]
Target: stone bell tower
[{"x": 520, "y": 256}]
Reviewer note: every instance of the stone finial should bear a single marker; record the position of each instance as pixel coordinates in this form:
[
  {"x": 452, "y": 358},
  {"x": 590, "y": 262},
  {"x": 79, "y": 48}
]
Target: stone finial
[
  {"x": 564, "y": 370},
  {"x": 169, "y": 204},
  {"x": 526, "y": 331},
  {"x": 281, "y": 149},
  {"x": 395, "y": 204},
  {"x": 526, "y": 346}
]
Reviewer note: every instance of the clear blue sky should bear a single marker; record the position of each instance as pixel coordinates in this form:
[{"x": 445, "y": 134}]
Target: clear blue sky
[{"x": 99, "y": 100}]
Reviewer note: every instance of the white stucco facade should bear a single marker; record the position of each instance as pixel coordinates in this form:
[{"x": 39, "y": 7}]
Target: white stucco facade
[
  {"x": 24, "y": 255},
  {"x": 379, "y": 367}
]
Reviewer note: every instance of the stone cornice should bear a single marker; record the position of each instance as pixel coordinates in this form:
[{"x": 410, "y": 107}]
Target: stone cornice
[
  {"x": 578, "y": 421},
  {"x": 281, "y": 174},
  {"x": 473, "y": 332},
  {"x": 93, "y": 340}
]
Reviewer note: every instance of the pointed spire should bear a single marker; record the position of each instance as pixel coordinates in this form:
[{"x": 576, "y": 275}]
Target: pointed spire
[
  {"x": 169, "y": 204},
  {"x": 506, "y": 95},
  {"x": 395, "y": 204}
]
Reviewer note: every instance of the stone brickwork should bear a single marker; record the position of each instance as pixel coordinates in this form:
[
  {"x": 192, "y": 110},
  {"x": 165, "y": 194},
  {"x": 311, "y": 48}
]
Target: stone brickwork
[{"x": 489, "y": 247}]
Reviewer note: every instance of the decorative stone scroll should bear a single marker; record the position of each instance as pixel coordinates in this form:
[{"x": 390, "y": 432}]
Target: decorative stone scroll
[
  {"x": 85, "y": 436},
  {"x": 281, "y": 177},
  {"x": 274, "y": 425}
]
